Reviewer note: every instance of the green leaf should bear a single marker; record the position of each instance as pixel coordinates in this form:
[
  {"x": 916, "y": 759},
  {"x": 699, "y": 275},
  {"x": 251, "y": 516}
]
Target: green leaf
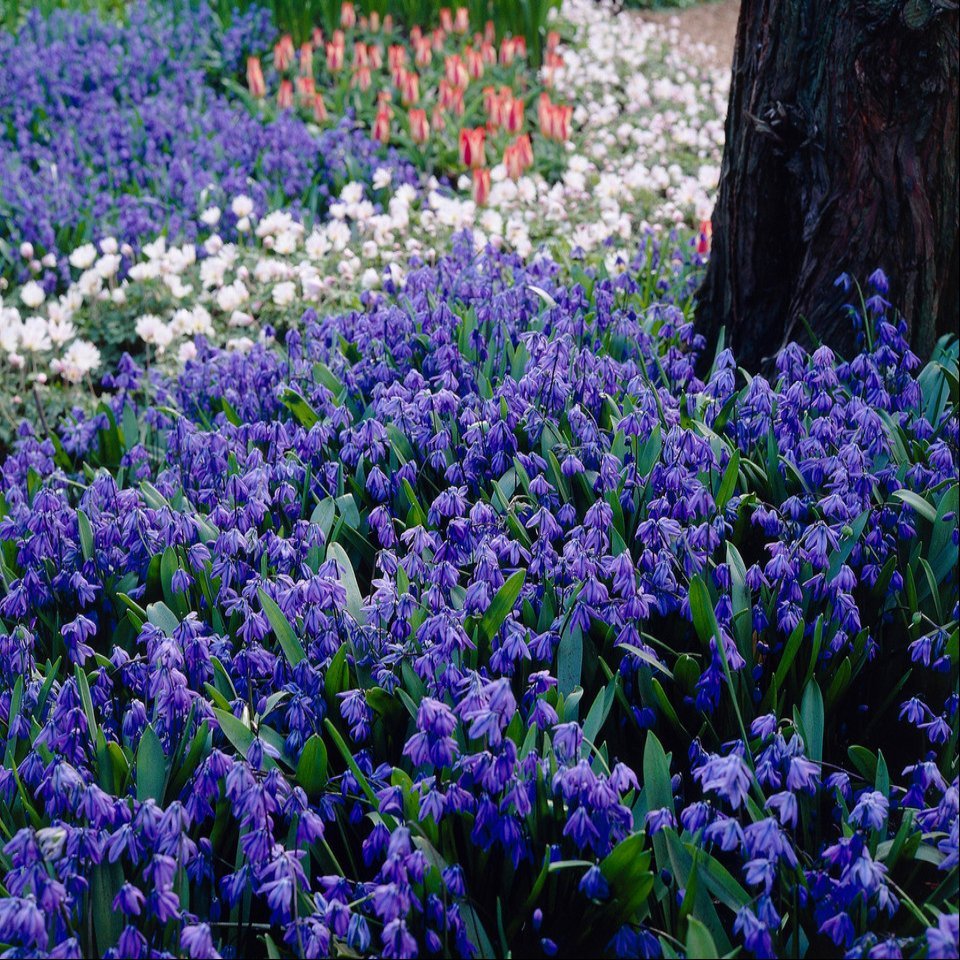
[
  {"x": 196, "y": 752},
  {"x": 93, "y": 728},
  {"x": 701, "y": 607},
  {"x": 663, "y": 701},
  {"x": 86, "y": 535},
  {"x": 312, "y": 767},
  {"x": 151, "y": 766},
  {"x": 917, "y": 503},
  {"x": 358, "y": 774},
  {"x": 161, "y": 616},
  {"x": 304, "y": 414},
  {"x": 289, "y": 641},
  {"x": 349, "y": 579},
  {"x": 323, "y": 515},
  {"x": 569, "y": 660},
  {"x": 502, "y": 604},
  {"x": 347, "y": 508},
  {"x": 105, "y": 882},
  {"x": 658, "y": 789},
  {"x": 169, "y": 564},
  {"x": 273, "y": 951},
  {"x": 699, "y": 941},
  {"x": 811, "y": 720},
  {"x": 598, "y": 713},
  {"x": 337, "y": 678},
  {"x": 729, "y": 482},
  {"x": 417, "y": 515},
  {"x": 627, "y": 870},
  {"x": 864, "y": 760},
  {"x": 646, "y": 657},
  {"x": 240, "y": 735}
]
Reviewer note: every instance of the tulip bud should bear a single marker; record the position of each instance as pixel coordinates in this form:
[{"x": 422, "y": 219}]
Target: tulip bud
[
  {"x": 319, "y": 109},
  {"x": 419, "y": 127},
  {"x": 306, "y": 59},
  {"x": 255, "y": 82},
  {"x": 409, "y": 88},
  {"x": 481, "y": 185},
  {"x": 381, "y": 124},
  {"x": 471, "y": 143},
  {"x": 362, "y": 78},
  {"x": 283, "y": 53},
  {"x": 334, "y": 57}
]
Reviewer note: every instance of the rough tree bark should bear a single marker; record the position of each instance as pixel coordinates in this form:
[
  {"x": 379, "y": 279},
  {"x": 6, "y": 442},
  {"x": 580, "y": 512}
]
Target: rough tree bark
[{"x": 841, "y": 156}]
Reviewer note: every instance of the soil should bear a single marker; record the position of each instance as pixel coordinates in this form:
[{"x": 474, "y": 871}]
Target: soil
[{"x": 713, "y": 22}]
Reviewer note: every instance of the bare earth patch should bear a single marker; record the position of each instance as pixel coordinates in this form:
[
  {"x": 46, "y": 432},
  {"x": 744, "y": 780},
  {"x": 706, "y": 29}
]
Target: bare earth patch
[{"x": 713, "y": 23}]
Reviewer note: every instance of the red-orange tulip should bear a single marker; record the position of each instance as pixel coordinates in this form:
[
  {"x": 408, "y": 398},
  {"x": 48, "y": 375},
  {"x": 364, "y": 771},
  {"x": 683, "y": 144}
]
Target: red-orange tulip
[
  {"x": 283, "y": 53},
  {"x": 471, "y": 143},
  {"x": 419, "y": 126},
  {"x": 255, "y": 82},
  {"x": 481, "y": 185}
]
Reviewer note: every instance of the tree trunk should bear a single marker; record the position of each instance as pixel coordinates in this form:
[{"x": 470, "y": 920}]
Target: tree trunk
[{"x": 841, "y": 156}]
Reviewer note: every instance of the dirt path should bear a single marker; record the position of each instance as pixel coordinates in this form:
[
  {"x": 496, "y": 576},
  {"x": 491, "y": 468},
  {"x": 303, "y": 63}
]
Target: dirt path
[{"x": 713, "y": 22}]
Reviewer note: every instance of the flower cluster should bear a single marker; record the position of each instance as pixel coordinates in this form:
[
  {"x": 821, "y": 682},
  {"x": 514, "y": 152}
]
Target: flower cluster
[
  {"x": 306, "y": 645},
  {"x": 131, "y": 139},
  {"x": 420, "y": 91}
]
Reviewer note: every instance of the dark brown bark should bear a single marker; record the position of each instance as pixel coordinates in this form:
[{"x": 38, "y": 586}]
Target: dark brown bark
[{"x": 841, "y": 156}]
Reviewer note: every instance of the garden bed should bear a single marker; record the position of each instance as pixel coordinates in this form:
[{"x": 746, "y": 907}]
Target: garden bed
[{"x": 387, "y": 568}]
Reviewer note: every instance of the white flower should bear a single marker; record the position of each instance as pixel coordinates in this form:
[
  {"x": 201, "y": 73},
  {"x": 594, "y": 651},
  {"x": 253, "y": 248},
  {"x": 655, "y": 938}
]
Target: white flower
[
  {"x": 230, "y": 297},
  {"x": 190, "y": 323},
  {"x": 213, "y": 272},
  {"x": 109, "y": 245},
  {"x": 317, "y": 245},
  {"x": 286, "y": 243},
  {"x": 60, "y": 331},
  {"x": 187, "y": 351},
  {"x": 352, "y": 193},
  {"x": 26, "y": 250},
  {"x": 34, "y": 336},
  {"x": 178, "y": 289},
  {"x": 338, "y": 234},
  {"x": 382, "y": 177},
  {"x": 49, "y": 261},
  {"x": 240, "y": 319},
  {"x": 284, "y": 293},
  {"x": 108, "y": 265},
  {"x": 156, "y": 249},
  {"x": 370, "y": 279},
  {"x": 32, "y": 294},
  {"x": 397, "y": 276},
  {"x": 313, "y": 286},
  {"x": 210, "y": 216},
  {"x": 243, "y": 225},
  {"x": 241, "y": 206},
  {"x": 152, "y": 330},
  {"x": 81, "y": 358},
  {"x": 406, "y": 194},
  {"x": 144, "y": 271}
]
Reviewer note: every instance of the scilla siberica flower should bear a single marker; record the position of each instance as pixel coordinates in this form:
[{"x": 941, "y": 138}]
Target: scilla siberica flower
[{"x": 536, "y": 539}]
